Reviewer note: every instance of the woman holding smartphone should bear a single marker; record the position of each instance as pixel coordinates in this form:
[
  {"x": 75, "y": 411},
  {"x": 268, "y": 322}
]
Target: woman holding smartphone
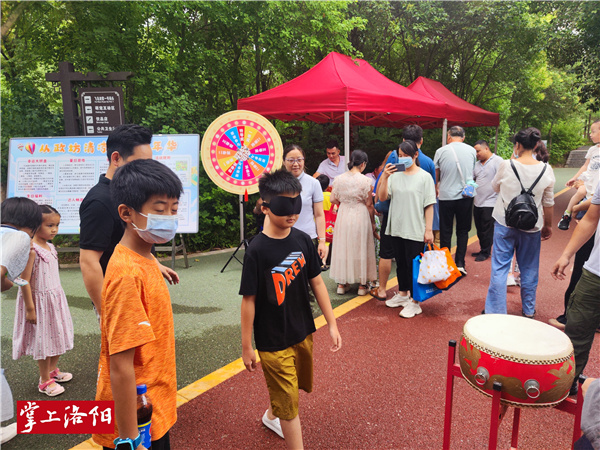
[{"x": 410, "y": 219}]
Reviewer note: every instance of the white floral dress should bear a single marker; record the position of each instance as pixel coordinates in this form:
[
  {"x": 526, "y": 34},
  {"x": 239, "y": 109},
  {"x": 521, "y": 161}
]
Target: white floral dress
[{"x": 353, "y": 254}]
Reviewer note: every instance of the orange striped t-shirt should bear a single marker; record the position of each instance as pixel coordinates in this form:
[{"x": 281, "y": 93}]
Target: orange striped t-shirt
[{"x": 137, "y": 313}]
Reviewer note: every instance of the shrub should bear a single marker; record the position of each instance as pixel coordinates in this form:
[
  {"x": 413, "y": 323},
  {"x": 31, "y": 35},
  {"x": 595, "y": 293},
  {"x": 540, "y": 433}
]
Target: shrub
[{"x": 566, "y": 136}]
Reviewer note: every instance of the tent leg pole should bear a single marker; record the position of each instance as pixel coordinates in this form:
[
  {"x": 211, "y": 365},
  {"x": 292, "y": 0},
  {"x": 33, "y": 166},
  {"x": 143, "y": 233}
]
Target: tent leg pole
[
  {"x": 496, "y": 143},
  {"x": 346, "y": 137},
  {"x": 445, "y": 132}
]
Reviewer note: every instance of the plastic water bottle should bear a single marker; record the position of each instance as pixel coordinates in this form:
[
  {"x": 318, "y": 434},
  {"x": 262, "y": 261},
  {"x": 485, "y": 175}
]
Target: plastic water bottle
[{"x": 144, "y": 415}]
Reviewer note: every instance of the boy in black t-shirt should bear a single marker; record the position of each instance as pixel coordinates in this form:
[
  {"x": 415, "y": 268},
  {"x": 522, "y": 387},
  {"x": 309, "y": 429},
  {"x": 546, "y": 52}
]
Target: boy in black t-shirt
[{"x": 279, "y": 264}]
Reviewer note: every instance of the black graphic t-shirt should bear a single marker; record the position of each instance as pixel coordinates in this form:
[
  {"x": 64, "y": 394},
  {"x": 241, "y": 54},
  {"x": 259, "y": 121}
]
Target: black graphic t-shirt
[{"x": 277, "y": 272}]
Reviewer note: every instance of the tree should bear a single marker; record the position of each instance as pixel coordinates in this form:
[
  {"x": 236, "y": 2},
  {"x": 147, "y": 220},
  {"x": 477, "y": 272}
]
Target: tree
[
  {"x": 574, "y": 44},
  {"x": 533, "y": 62}
]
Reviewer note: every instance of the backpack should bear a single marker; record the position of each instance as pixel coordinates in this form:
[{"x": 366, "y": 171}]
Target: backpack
[{"x": 522, "y": 212}]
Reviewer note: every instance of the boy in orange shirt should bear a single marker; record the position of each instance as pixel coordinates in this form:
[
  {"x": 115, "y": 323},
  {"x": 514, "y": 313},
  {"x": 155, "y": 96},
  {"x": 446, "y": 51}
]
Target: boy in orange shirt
[{"x": 138, "y": 339}]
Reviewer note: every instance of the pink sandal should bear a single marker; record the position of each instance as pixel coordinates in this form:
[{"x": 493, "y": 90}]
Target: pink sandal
[
  {"x": 61, "y": 377},
  {"x": 45, "y": 388}
]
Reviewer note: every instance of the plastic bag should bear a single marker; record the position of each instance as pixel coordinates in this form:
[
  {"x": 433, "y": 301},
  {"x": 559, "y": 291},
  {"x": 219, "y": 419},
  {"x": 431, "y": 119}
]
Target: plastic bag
[
  {"x": 454, "y": 273},
  {"x": 433, "y": 267},
  {"x": 421, "y": 292}
]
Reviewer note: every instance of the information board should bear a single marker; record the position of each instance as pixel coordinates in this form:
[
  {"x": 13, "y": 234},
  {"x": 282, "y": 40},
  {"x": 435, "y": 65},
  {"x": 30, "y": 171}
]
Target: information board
[
  {"x": 101, "y": 110},
  {"x": 59, "y": 171}
]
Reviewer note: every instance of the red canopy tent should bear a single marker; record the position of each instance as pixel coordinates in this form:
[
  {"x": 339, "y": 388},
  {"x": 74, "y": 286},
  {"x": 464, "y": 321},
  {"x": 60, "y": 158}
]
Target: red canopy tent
[
  {"x": 340, "y": 89},
  {"x": 337, "y": 84},
  {"x": 459, "y": 111}
]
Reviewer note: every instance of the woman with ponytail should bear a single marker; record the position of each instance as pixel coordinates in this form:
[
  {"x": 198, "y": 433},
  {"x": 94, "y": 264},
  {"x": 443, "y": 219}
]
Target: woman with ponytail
[
  {"x": 528, "y": 156},
  {"x": 353, "y": 257}
]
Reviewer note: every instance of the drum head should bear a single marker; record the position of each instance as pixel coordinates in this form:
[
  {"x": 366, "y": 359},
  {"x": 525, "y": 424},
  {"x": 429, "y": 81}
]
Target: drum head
[{"x": 517, "y": 337}]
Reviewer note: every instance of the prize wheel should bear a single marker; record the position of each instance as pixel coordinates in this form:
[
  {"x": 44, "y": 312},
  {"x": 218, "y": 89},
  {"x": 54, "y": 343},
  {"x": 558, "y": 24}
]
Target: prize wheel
[{"x": 237, "y": 148}]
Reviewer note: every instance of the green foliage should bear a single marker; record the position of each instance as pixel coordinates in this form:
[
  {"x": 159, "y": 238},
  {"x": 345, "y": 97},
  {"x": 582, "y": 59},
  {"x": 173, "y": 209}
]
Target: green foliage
[
  {"x": 535, "y": 63},
  {"x": 219, "y": 217},
  {"x": 566, "y": 136},
  {"x": 25, "y": 112},
  {"x": 573, "y": 44}
]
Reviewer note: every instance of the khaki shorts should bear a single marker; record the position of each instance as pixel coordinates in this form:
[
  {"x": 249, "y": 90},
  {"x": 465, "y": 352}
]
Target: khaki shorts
[{"x": 286, "y": 371}]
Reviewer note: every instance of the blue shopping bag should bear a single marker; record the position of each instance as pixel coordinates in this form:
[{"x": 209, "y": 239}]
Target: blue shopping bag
[{"x": 421, "y": 292}]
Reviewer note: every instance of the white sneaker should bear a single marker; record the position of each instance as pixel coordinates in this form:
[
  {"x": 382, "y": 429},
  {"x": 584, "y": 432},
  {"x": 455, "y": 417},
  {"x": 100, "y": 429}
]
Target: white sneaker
[
  {"x": 411, "y": 310},
  {"x": 398, "y": 300},
  {"x": 273, "y": 425},
  {"x": 462, "y": 270},
  {"x": 510, "y": 281},
  {"x": 8, "y": 432}
]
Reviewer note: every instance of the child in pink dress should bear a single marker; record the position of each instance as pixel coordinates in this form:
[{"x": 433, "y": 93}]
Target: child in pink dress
[{"x": 43, "y": 326}]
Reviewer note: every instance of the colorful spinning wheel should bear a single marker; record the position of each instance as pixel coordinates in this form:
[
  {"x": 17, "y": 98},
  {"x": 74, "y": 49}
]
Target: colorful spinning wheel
[{"x": 237, "y": 148}]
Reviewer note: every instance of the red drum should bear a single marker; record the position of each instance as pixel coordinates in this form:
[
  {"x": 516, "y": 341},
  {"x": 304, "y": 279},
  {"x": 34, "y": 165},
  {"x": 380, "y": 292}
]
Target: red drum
[{"x": 533, "y": 361}]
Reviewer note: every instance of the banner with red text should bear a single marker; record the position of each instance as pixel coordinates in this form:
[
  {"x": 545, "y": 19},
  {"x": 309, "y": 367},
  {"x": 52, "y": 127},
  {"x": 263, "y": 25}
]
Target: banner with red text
[{"x": 59, "y": 171}]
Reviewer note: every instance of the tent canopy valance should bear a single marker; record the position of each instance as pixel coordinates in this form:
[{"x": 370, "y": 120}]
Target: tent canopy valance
[
  {"x": 459, "y": 111},
  {"x": 339, "y": 84},
  {"x": 340, "y": 89}
]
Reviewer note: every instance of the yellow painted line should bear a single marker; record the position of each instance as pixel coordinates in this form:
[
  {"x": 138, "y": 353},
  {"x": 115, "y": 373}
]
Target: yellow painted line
[
  {"x": 87, "y": 445},
  {"x": 217, "y": 377}
]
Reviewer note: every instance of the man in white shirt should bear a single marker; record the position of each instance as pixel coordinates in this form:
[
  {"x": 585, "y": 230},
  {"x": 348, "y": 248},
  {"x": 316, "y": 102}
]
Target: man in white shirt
[
  {"x": 334, "y": 165},
  {"x": 449, "y": 187},
  {"x": 483, "y": 204}
]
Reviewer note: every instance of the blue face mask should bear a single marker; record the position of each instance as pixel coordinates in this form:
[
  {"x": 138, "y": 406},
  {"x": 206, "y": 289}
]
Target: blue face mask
[
  {"x": 159, "y": 229},
  {"x": 406, "y": 160}
]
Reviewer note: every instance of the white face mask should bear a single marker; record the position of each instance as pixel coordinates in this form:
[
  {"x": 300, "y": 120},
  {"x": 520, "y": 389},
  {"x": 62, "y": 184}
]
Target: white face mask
[{"x": 159, "y": 229}]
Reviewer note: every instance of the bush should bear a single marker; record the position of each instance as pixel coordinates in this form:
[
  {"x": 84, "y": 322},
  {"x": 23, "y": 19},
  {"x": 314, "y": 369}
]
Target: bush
[
  {"x": 566, "y": 136},
  {"x": 219, "y": 221}
]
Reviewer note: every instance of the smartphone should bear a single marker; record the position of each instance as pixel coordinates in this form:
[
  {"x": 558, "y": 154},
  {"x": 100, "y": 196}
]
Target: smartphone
[{"x": 400, "y": 167}]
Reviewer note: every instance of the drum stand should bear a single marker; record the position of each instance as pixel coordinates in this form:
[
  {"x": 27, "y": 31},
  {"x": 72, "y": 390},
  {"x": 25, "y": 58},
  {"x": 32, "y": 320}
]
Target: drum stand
[{"x": 568, "y": 405}]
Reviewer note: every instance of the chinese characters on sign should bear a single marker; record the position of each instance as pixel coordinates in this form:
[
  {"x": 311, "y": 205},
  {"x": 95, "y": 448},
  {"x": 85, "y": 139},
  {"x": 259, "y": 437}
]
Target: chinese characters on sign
[
  {"x": 65, "y": 417},
  {"x": 101, "y": 110},
  {"x": 59, "y": 171}
]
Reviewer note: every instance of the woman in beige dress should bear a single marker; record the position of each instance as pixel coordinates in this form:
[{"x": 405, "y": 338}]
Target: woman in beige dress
[{"x": 353, "y": 257}]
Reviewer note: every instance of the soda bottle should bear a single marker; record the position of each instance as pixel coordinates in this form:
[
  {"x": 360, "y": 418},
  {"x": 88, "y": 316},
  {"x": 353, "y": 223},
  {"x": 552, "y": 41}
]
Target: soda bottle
[{"x": 144, "y": 415}]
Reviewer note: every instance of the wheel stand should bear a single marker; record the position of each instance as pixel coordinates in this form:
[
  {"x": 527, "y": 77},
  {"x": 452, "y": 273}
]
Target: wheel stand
[
  {"x": 245, "y": 243},
  {"x": 568, "y": 405}
]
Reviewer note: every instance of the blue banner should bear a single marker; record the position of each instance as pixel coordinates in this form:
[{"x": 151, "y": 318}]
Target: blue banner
[{"x": 59, "y": 171}]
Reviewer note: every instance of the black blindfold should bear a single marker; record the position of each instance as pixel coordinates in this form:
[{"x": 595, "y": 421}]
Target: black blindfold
[{"x": 284, "y": 206}]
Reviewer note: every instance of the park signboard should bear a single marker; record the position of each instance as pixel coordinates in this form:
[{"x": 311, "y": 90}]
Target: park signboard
[
  {"x": 101, "y": 110},
  {"x": 60, "y": 171}
]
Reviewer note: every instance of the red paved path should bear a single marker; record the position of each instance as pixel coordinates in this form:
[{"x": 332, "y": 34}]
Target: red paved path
[{"x": 386, "y": 387}]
